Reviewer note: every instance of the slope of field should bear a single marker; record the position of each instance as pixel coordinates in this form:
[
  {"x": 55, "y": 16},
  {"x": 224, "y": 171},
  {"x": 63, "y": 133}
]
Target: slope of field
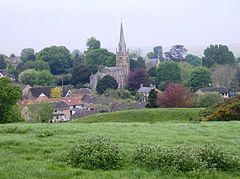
[
  {"x": 145, "y": 115},
  {"x": 38, "y": 150}
]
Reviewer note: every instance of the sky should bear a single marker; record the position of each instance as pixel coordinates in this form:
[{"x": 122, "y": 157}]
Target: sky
[{"x": 147, "y": 23}]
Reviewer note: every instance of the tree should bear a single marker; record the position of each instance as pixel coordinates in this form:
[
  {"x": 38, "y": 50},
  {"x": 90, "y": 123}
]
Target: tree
[
  {"x": 59, "y": 58},
  {"x": 136, "y": 78},
  {"x": 33, "y": 77},
  {"x": 186, "y": 70},
  {"x": 76, "y": 54},
  {"x": 80, "y": 75},
  {"x": 56, "y": 92},
  {"x": 199, "y": 78},
  {"x": 37, "y": 65},
  {"x": 27, "y": 54},
  {"x": 175, "y": 95},
  {"x": 217, "y": 54},
  {"x": 93, "y": 43},
  {"x": 107, "y": 82},
  {"x": 99, "y": 57},
  {"x": 9, "y": 95},
  {"x": 224, "y": 76},
  {"x": 3, "y": 63},
  {"x": 150, "y": 55},
  {"x": 208, "y": 100},
  {"x": 152, "y": 99},
  {"x": 193, "y": 60},
  {"x": 137, "y": 64},
  {"x": 176, "y": 53},
  {"x": 168, "y": 71},
  {"x": 156, "y": 54}
]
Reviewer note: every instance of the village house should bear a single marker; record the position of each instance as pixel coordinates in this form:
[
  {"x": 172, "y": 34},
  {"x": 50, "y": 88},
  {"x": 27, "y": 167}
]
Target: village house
[
  {"x": 143, "y": 92},
  {"x": 223, "y": 92}
]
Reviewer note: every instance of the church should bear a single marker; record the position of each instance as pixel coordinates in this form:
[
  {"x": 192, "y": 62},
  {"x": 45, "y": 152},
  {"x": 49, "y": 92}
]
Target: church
[{"x": 122, "y": 69}]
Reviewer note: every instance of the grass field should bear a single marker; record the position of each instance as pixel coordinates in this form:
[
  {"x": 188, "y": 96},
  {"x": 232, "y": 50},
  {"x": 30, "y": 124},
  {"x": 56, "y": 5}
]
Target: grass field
[
  {"x": 145, "y": 115},
  {"x": 38, "y": 150}
]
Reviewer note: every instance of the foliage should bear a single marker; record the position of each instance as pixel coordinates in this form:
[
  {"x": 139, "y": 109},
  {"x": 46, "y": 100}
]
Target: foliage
[
  {"x": 136, "y": 78},
  {"x": 99, "y": 58},
  {"x": 118, "y": 93},
  {"x": 137, "y": 64},
  {"x": 33, "y": 77},
  {"x": 217, "y": 54},
  {"x": 193, "y": 60},
  {"x": 38, "y": 65},
  {"x": 226, "y": 111},
  {"x": 58, "y": 57},
  {"x": 107, "y": 82},
  {"x": 56, "y": 92},
  {"x": 93, "y": 43},
  {"x": 224, "y": 76},
  {"x": 156, "y": 54},
  {"x": 80, "y": 75},
  {"x": 217, "y": 158},
  {"x": 42, "y": 112},
  {"x": 181, "y": 158},
  {"x": 208, "y": 100},
  {"x": 152, "y": 72},
  {"x": 152, "y": 99},
  {"x": 27, "y": 54},
  {"x": 199, "y": 78},
  {"x": 3, "y": 63},
  {"x": 186, "y": 70},
  {"x": 9, "y": 95},
  {"x": 76, "y": 54},
  {"x": 168, "y": 71},
  {"x": 96, "y": 153},
  {"x": 175, "y": 95},
  {"x": 186, "y": 159},
  {"x": 176, "y": 53}
]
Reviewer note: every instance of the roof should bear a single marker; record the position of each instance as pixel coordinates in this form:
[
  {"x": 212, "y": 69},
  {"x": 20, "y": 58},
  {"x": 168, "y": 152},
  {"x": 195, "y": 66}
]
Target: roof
[
  {"x": 79, "y": 92},
  {"x": 215, "y": 89},
  {"x": 42, "y": 98},
  {"x": 70, "y": 101},
  {"x": 82, "y": 113},
  {"x": 89, "y": 99},
  {"x": 46, "y": 90},
  {"x": 145, "y": 89},
  {"x": 61, "y": 105}
]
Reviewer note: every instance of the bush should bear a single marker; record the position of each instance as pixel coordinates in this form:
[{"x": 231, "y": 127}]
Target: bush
[
  {"x": 208, "y": 100},
  {"x": 185, "y": 159},
  {"x": 96, "y": 153},
  {"x": 217, "y": 158},
  {"x": 226, "y": 111},
  {"x": 156, "y": 157}
]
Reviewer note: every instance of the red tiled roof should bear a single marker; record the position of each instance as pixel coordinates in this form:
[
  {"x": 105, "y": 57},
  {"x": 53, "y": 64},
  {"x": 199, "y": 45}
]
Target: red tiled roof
[{"x": 71, "y": 101}]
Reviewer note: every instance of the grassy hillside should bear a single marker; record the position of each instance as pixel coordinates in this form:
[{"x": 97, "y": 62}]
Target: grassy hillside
[
  {"x": 144, "y": 115},
  {"x": 38, "y": 150}
]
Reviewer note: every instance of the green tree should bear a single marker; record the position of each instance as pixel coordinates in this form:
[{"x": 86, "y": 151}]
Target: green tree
[
  {"x": 59, "y": 58},
  {"x": 193, "y": 60},
  {"x": 199, "y": 78},
  {"x": 37, "y": 65},
  {"x": 107, "y": 82},
  {"x": 27, "y": 54},
  {"x": 9, "y": 95},
  {"x": 33, "y": 77},
  {"x": 152, "y": 99},
  {"x": 208, "y": 100},
  {"x": 99, "y": 57},
  {"x": 168, "y": 71},
  {"x": 93, "y": 43},
  {"x": 137, "y": 64},
  {"x": 186, "y": 70},
  {"x": 80, "y": 75},
  {"x": 3, "y": 63},
  {"x": 217, "y": 54}
]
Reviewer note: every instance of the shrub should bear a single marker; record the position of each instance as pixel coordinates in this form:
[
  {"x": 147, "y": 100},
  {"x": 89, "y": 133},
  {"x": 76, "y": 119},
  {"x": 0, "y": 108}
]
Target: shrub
[
  {"x": 96, "y": 153},
  {"x": 207, "y": 100},
  {"x": 217, "y": 158},
  {"x": 156, "y": 157},
  {"x": 226, "y": 111}
]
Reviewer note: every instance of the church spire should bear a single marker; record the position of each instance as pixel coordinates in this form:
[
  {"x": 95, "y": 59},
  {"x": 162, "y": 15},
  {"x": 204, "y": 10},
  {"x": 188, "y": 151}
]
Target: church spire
[{"x": 122, "y": 45}]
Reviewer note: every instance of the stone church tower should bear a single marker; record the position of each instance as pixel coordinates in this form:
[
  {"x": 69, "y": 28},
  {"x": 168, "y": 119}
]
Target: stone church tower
[
  {"x": 122, "y": 59},
  {"x": 120, "y": 72}
]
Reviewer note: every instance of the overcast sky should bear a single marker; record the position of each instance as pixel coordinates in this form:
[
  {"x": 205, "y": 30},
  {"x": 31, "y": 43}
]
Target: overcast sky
[{"x": 41, "y": 23}]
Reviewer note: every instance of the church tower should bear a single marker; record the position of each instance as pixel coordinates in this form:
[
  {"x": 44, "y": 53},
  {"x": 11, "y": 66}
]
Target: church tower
[{"x": 122, "y": 59}]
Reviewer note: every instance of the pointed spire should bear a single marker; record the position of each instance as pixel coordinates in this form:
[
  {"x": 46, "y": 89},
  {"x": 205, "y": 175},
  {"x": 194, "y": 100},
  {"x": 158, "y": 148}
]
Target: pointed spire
[{"x": 122, "y": 45}]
